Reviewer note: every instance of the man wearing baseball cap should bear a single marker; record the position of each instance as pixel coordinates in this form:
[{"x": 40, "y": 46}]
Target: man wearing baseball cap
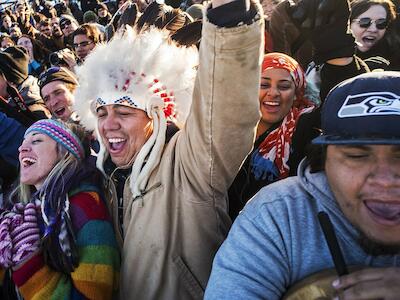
[
  {"x": 277, "y": 247},
  {"x": 57, "y": 86}
]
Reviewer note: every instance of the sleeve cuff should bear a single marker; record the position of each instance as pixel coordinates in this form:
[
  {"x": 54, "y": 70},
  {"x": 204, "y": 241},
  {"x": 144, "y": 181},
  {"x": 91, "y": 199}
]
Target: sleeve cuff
[
  {"x": 232, "y": 14},
  {"x": 22, "y": 273}
]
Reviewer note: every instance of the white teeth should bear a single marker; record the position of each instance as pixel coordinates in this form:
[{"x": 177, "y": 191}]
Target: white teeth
[
  {"x": 271, "y": 103},
  {"x": 116, "y": 140},
  {"x": 369, "y": 38},
  {"x": 27, "y": 161}
]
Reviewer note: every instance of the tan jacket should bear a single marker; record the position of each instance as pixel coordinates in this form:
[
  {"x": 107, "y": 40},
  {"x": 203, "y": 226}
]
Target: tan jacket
[{"x": 173, "y": 232}]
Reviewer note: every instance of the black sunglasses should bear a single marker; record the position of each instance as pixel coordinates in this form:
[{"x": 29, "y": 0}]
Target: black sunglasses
[
  {"x": 367, "y": 22},
  {"x": 65, "y": 24}
]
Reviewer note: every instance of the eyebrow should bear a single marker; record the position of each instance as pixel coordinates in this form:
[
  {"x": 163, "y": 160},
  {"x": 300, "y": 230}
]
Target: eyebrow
[
  {"x": 359, "y": 147},
  {"x": 120, "y": 106},
  {"x": 395, "y": 148},
  {"x": 280, "y": 80},
  {"x": 36, "y": 133},
  {"x": 58, "y": 90}
]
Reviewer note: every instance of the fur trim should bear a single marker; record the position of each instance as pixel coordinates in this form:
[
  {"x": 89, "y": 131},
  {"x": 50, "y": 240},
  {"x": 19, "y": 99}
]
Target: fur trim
[
  {"x": 140, "y": 59},
  {"x": 147, "y": 71}
]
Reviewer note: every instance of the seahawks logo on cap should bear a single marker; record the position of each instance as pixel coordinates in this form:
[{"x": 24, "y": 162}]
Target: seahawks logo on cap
[{"x": 368, "y": 104}]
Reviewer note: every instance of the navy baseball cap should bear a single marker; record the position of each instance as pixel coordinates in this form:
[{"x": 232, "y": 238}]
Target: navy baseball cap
[{"x": 362, "y": 110}]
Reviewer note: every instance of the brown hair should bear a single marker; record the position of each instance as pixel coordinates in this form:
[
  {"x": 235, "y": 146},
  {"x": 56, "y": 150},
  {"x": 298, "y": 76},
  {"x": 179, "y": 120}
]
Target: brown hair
[
  {"x": 358, "y": 7},
  {"x": 38, "y": 17},
  {"x": 40, "y": 52},
  {"x": 6, "y": 37},
  {"x": 70, "y": 86},
  {"x": 45, "y": 22},
  {"x": 91, "y": 31}
]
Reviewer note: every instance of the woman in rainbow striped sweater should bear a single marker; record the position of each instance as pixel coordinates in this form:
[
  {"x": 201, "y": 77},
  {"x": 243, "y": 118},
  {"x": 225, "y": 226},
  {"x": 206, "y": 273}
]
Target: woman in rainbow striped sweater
[{"x": 57, "y": 239}]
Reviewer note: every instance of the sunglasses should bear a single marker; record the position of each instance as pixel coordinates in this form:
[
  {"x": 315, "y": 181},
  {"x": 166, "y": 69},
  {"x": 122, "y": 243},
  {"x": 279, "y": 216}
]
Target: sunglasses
[
  {"x": 83, "y": 44},
  {"x": 43, "y": 76},
  {"x": 65, "y": 24},
  {"x": 367, "y": 22}
]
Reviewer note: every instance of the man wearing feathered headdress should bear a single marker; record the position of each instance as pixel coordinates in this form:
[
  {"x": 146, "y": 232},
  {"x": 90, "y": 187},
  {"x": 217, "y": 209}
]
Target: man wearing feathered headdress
[{"x": 168, "y": 185}]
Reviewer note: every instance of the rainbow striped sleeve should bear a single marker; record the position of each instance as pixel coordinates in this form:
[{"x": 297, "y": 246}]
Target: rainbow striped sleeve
[
  {"x": 2, "y": 274},
  {"x": 96, "y": 276}
]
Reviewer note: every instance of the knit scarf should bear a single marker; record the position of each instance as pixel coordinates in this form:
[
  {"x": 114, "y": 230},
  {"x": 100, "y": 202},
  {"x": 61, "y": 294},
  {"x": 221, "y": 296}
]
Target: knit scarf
[
  {"x": 59, "y": 241},
  {"x": 269, "y": 161}
]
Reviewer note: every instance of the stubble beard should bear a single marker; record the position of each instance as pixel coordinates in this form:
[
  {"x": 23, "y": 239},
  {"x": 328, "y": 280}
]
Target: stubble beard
[{"x": 377, "y": 248}]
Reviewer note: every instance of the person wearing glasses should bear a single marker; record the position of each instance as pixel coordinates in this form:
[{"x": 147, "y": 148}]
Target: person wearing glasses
[
  {"x": 85, "y": 39},
  {"x": 68, "y": 25},
  {"x": 338, "y": 42},
  {"x": 370, "y": 23}
]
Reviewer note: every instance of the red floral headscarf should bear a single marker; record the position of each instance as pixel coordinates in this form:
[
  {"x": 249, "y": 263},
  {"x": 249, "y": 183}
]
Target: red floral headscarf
[{"x": 277, "y": 60}]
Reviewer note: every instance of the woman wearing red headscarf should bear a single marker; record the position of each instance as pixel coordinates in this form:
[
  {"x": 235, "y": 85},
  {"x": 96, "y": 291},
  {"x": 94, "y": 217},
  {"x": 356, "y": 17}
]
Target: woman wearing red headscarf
[{"x": 283, "y": 99}]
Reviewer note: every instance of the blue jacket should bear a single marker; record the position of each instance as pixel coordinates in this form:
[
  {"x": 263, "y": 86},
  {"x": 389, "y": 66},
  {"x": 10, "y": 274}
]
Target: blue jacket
[
  {"x": 11, "y": 137},
  {"x": 277, "y": 241}
]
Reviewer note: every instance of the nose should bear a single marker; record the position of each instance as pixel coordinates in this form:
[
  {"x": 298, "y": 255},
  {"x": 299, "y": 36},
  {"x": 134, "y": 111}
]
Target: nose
[
  {"x": 52, "y": 102},
  {"x": 110, "y": 122},
  {"x": 273, "y": 91},
  {"x": 385, "y": 173},
  {"x": 24, "y": 147},
  {"x": 372, "y": 27}
]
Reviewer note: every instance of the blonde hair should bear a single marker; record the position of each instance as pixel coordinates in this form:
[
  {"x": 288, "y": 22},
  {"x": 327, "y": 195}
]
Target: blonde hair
[{"x": 66, "y": 160}]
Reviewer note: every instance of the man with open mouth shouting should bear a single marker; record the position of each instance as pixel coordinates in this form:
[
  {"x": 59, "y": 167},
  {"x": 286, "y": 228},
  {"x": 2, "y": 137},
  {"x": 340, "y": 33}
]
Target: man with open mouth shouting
[
  {"x": 57, "y": 85},
  {"x": 169, "y": 190}
]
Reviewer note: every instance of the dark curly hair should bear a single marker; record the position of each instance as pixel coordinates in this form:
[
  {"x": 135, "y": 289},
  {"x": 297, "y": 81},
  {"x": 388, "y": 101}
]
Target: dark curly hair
[{"x": 358, "y": 7}]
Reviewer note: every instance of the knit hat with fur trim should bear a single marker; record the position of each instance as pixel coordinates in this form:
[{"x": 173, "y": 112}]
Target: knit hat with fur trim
[{"x": 14, "y": 64}]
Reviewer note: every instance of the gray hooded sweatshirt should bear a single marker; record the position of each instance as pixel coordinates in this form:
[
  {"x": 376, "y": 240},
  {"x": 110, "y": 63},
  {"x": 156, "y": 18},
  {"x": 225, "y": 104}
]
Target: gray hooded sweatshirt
[{"x": 277, "y": 241}]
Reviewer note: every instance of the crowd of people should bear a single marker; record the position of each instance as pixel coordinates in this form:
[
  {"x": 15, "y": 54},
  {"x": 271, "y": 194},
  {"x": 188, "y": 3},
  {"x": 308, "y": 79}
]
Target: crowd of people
[{"x": 223, "y": 149}]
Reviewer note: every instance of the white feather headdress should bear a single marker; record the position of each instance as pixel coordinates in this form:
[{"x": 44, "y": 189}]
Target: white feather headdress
[{"x": 147, "y": 71}]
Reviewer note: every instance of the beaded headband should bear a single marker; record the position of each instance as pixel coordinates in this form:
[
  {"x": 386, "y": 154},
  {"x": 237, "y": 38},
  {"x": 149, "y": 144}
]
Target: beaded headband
[
  {"x": 61, "y": 134},
  {"x": 158, "y": 92}
]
